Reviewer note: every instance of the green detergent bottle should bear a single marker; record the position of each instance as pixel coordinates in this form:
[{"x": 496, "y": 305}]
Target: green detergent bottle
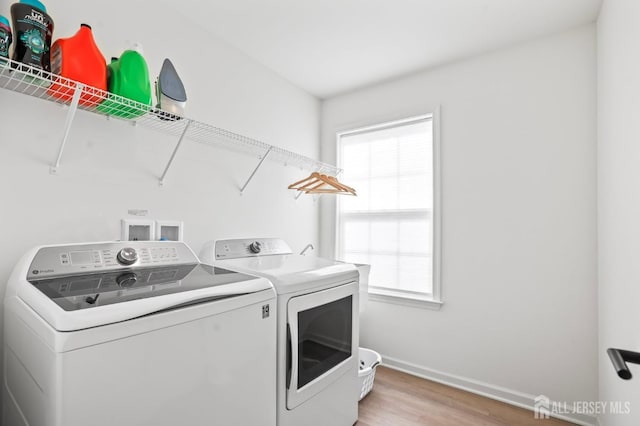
[{"x": 128, "y": 76}]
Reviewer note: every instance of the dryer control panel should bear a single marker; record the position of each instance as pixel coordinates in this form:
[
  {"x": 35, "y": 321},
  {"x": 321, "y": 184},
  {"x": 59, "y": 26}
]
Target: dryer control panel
[
  {"x": 249, "y": 247},
  {"x": 74, "y": 259}
]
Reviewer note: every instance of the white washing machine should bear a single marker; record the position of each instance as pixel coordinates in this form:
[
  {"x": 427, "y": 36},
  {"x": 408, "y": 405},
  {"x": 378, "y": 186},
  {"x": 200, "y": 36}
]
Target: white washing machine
[
  {"x": 317, "y": 369},
  {"x": 136, "y": 333}
]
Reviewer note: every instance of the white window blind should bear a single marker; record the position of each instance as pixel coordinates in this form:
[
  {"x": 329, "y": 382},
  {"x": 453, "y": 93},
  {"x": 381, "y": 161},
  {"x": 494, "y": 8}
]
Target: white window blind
[{"x": 390, "y": 223}]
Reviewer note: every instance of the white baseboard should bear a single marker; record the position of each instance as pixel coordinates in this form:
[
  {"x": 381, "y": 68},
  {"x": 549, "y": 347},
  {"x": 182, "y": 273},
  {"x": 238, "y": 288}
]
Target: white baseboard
[{"x": 519, "y": 399}]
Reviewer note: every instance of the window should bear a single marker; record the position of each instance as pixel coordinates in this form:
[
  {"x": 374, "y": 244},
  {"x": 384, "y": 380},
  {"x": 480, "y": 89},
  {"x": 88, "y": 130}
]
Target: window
[{"x": 393, "y": 222}]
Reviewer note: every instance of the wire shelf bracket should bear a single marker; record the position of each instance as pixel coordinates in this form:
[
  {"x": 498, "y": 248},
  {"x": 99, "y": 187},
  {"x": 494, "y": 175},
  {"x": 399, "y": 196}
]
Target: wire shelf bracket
[
  {"x": 264, "y": 157},
  {"x": 175, "y": 151},
  {"x": 71, "y": 113}
]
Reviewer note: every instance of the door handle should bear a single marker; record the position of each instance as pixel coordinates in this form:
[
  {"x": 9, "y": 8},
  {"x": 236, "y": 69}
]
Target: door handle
[
  {"x": 293, "y": 380},
  {"x": 288, "y": 375},
  {"x": 619, "y": 359}
]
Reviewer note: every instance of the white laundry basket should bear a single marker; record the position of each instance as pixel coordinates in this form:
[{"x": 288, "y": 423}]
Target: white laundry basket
[{"x": 369, "y": 360}]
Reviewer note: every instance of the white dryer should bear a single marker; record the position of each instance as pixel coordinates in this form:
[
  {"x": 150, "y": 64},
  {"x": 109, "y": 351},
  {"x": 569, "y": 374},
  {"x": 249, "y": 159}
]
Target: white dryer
[
  {"x": 317, "y": 374},
  {"x": 136, "y": 333}
]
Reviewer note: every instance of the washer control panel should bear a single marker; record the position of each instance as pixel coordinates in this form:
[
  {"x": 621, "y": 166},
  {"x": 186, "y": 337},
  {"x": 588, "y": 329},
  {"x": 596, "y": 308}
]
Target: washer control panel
[
  {"x": 250, "y": 247},
  {"x": 73, "y": 259}
]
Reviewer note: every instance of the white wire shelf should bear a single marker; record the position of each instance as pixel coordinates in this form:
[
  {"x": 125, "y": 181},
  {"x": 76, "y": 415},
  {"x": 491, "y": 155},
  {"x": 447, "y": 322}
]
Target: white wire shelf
[{"x": 37, "y": 83}]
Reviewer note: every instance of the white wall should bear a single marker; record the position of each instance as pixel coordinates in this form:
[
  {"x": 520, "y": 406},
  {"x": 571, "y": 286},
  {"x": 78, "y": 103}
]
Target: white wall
[
  {"x": 111, "y": 166},
  {"x": 519, "y": 219},
  {"x": 619, "y": 198}
]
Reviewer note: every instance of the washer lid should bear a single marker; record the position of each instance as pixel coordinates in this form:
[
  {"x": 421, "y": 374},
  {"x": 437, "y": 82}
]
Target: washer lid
[
  {"x": 85, "y": 301},
  {"x": 81, "y": 292}
]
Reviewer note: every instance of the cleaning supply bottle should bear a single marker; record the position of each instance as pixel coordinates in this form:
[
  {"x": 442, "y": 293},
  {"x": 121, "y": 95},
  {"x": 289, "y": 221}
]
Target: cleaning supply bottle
[
  {"x": 5, "y": 37},
  {"x": 128, "y": 76},
  {"x": 33, "y": 30},
  {"x": 78, "y": 58}
]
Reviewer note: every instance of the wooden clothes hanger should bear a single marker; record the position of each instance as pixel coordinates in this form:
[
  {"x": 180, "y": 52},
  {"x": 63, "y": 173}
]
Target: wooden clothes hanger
[{"x": 317, "y": 183}]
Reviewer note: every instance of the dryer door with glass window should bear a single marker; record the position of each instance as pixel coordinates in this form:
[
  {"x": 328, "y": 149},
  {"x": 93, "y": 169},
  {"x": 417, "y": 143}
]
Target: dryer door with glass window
[{"x": 322, "y": 340}]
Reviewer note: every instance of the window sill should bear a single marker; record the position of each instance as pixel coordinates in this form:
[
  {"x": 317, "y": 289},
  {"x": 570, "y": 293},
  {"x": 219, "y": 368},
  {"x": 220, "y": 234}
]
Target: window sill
[{"x": 405, "y": 299}]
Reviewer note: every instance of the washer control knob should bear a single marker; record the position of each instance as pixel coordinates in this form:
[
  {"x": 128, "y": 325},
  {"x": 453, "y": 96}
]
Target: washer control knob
[
  {"x": 255, "y": 247},
  {"x": 126, "y": 280},
  {"x": 127, "y": 256}
]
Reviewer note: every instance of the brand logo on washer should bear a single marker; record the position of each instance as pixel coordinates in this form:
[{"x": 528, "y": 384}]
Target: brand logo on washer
[
  {"x": 265, "y": 311},
  {"x": 43, "y": 271}
]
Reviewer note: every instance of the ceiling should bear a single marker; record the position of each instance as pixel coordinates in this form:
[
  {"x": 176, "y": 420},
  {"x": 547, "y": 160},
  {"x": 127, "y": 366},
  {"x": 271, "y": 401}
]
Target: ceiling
[{"x": 328, "y": 47}]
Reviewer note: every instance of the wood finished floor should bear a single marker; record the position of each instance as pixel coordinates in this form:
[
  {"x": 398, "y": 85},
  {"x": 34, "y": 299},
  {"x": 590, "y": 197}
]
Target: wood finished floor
[{"x": 399, "y": 399}]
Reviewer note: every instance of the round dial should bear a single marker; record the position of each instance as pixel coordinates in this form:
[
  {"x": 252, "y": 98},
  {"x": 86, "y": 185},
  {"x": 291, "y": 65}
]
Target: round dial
[
  {"x": 127, "y": 279},
  {"x": 255, "y": 247},
  {"x": 127, "y": 256}
]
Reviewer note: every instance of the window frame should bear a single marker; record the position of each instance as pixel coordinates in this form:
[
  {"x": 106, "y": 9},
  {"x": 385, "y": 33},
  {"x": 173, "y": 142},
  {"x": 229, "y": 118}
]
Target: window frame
[{"x": 431, "y": 300}]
